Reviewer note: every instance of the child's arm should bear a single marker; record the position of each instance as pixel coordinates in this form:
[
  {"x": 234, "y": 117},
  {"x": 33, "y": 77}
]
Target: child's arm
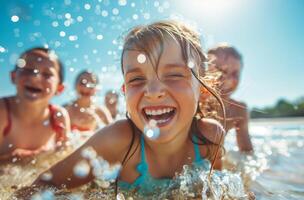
[
  {"x": 242, "y": 136},
  {"x": 111, "y": 143},
  {"x": 104, "y": 114}
]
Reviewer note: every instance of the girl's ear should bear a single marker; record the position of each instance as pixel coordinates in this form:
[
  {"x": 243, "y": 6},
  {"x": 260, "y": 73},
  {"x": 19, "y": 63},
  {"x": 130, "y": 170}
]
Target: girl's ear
[
  {"x": 123, "y": 88},
  {"x": 13, "y": 76},
  {"x": 60, "y": 89}
]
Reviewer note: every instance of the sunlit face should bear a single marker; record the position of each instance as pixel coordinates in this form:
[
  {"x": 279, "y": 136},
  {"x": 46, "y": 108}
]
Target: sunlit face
[
  {"x": 36, "y": 76},
  {"x": 86, "y": 85},
  {"x": 167, "y": 94},
  {"x": 229, "y": 68}
]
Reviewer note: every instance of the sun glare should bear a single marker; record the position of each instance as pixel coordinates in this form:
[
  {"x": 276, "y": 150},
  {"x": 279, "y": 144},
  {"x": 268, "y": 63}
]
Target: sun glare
[{"x": 210, "y": 8}]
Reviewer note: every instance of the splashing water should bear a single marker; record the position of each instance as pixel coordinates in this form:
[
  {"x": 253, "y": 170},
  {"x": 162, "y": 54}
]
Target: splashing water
[{"x": 151, "y": 130}]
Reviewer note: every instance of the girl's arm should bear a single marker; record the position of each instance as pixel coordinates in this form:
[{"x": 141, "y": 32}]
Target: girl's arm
[{"x": 110, "y": 143}]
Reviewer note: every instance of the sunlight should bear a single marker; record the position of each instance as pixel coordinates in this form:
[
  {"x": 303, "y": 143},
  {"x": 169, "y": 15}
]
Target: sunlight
[{"x": 209, "y": 8}]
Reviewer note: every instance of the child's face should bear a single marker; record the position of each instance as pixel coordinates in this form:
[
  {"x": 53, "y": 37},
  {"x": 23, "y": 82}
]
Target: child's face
[
  {"x": 167, "y": 94},
  {"x": 230, "y": 68},
  {"x": 86, "y": 85},
  {"x": 37, "y": 76},
  {"x": 111, "y": 100}
]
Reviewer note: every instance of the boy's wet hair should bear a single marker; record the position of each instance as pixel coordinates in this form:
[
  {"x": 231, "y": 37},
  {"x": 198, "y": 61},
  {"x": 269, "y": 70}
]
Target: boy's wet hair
[
  {"x": 47, "y": 51},
  {"x": 225, "y": 50},
  {"x": 94, "y": 76}
]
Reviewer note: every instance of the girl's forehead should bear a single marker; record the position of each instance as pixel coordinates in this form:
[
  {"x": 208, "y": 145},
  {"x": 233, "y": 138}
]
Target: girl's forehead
[{"x": 171, "y": 53}]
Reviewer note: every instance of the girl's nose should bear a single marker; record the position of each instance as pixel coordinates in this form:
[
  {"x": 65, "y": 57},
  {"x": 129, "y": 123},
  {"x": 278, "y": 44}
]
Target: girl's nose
[{"x": 155, "y": 90}]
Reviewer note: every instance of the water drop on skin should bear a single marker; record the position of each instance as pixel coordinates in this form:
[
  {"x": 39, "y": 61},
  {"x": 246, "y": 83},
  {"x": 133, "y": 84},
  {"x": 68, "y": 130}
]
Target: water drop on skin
[
  {"x": 141, "y": 58},
  {"x": 81, "y": 169}
]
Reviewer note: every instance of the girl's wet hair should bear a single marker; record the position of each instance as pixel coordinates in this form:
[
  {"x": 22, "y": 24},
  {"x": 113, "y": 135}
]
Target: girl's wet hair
[
  {"x": 47, "y": 51},
  {"x": 150, "y": 40}
]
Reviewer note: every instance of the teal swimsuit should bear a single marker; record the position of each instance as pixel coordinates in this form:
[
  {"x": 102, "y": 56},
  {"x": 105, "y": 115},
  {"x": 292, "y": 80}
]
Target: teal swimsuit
[{"x": 145, "y": 183}]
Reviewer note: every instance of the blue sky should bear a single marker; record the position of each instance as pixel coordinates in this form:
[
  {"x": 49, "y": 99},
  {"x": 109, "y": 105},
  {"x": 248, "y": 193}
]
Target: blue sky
[{"x": 87, "y": 34}]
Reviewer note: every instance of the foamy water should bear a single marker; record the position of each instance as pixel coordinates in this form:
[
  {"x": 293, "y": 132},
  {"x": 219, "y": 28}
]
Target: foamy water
[{"x": 275, "y": 171}]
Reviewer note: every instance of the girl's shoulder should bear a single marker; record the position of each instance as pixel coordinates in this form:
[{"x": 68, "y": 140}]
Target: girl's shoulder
[
  {"x": 211, "y": 129},
  {"x": 113, "y": 140}
]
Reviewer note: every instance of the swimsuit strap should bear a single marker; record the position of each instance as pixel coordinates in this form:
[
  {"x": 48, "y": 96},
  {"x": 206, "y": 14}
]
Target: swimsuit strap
[
  {"x": 58, "y": 127},
  {"x": 9, "y": 120},
  {"x": 197, "y": 152}
]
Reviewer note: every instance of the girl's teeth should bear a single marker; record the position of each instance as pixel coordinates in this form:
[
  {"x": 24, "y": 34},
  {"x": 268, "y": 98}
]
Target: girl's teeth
[{"x": 158, "y": 111}]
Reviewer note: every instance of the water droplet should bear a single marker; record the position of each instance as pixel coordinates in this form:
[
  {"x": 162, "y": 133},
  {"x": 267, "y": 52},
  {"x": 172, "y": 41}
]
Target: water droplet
[
  {"x": 48, "y": 90},
  {"x": 58, "y": 114},
  {"x": 88, "y": 153},
  {"x": 132, "y": 4},
  {"x": 46, "y": 176},
  {"x": 99, "y": 37},
  {"x": 104, "y": 13},
  {"x": 120, "y": 196},
  {"x": 87, "y": 6},
  {"x": 36, "y": 71},
  {"x": 62, "y": 33},
  {"x": 160, "y": 9},
  {"x": 82, "y": 109},
  {"x": 122, "y": 2},
  {"x": 81, "y": 169},
  {"x": 90, "y": 29},
  {"x": 67, "y": 23},
  {"x": 68, "y": 15},
  {"x": 2, "y": 49},
  {"x": 72, "y": 69},
  {"x": 46, "y": 122},
  {"x": 55, "y": 23},
  {"x": 146, "y": 15},
  {"x": 135, "y": 16},
  {"x": 53, "y": 56},
  {"x": 156, "y": 3},
  {"x": 73, "y": 37},
  {"x": 115, "y": 11},
  {"x": 79, "y": 18},
  {"x": 15, "y": 18},
  {"x": 152, "y": 132},
  {"x": 14, "y": 160},
  {"x": 67, "y": 2},
  {"x": 141, "y": 58},
  {"x": 10, "y": 145},
  {"x": 33, "y": 161},
  {"x": 191, "y": 64},
  {"x": 21, "y": 63}
]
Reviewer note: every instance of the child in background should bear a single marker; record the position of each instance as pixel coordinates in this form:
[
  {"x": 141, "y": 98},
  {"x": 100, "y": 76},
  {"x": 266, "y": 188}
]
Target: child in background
[
  {"x": 29, "y": 124},
  {"x": 227, "y": 61},
  {"x": 111, "y": 102},
  {"x": 162, "y": 67},
  {"x": 84, "y": 113}
]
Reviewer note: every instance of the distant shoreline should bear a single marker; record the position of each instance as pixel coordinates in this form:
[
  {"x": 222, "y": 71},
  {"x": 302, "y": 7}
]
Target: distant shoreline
[{"x": 279, "y": 120}]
